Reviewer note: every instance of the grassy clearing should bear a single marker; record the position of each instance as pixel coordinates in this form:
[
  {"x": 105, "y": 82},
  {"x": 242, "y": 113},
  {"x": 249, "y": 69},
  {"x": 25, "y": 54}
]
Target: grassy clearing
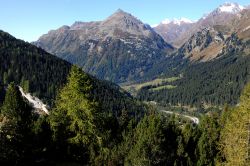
[
  {"x": 156, "y": 82},
  {"x": 164, "y": 87}
]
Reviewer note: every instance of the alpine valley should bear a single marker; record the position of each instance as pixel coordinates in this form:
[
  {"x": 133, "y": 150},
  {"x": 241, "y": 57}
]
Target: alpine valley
[
  {"x": 209, "y": 57},
  {"x": 120, "y": 92}
]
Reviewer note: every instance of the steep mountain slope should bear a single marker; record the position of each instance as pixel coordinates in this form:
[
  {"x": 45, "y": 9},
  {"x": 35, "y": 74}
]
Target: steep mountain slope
[
  {"x": 120, "y": 48},
  {"x": 204, "y": 45},
  {"x": 43, "y": 74},
  {"x": 170, "y": 30},
  {"x": 208, "y": 43},
  {"x": 243, "y": 25}
]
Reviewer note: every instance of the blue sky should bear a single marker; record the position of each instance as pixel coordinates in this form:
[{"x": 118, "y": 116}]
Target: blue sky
[{"x": 29, "y": 19}]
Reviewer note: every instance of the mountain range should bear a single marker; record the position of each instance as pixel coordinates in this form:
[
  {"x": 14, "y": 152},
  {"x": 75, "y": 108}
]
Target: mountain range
[
  {"x": 127, "y": 51},
  {"x": 183, "y": 29}
]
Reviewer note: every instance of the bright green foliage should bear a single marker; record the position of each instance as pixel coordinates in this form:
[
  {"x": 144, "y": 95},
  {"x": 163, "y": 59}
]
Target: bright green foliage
[
  {"x": 236, "y": 133},
  {"x": 75, "y": 117}
]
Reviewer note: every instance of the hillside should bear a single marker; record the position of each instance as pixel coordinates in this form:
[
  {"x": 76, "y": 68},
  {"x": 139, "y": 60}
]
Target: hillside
[
  {"x": 43, "y": 75},
  {"x": 38, "y": 71}
]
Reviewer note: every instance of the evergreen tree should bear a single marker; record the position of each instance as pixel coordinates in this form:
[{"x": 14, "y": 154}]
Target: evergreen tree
[
  {"x": 208, "y": 144},
  {"x": 149, "y": 138},
  {"x": 15, "y": 122},
  {"x": 75, "y": 119}
]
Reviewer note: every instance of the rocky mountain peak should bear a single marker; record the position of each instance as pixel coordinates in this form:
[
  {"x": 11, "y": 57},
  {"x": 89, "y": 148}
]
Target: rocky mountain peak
[
  {"x": 118, "y": 48},
  {"x": 122, "y": 22},
  {"x": 122, "y": 19},
  {"x": 121, "y": 15},
  {"x": 120, "y": 11}
]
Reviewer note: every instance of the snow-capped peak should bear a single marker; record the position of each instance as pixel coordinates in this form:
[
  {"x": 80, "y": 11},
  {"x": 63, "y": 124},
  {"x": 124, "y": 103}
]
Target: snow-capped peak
[
  {"x": 154, "y": 25},
  {"x": 177, "y": 21},
  {"x": 166, "y": 21},
  {"x": 230, "y": 8}
]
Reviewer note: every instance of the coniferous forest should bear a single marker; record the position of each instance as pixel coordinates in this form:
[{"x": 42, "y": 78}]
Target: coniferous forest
[
  {"x": 78, "y": 131},
  {"x": 180, "y": 94}
]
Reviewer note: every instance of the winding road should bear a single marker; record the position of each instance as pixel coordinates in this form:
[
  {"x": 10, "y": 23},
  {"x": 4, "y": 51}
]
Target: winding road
[{"x": 193, "y": 118}]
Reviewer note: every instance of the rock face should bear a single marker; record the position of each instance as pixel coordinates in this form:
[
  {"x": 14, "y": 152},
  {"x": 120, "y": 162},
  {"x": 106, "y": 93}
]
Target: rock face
[
  {"x": 207, "y": 38},
  {"x": 203, "y": 46},
  {"x": 221, "y": 19},
  {"x": 243, "y": 25},
  {"x": 120, "y": 48}
]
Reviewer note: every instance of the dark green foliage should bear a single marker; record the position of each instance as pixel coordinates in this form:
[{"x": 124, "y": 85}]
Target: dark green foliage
[
  {"x": 43, "y": 74},
  {"x": 216, "y": 82},
  {"x": 79, "y": 131},
  {"x": 38, "y": 71},
  {"x": 187, "y": 145},
  {"x": 2, "y": 94},
  {"x": 14, "y": 107},
  {"x": 154, "y": 142},
  {"x": 113, "y": 99},
  {"x": 148, "y": 148},
  {"x": 208, "y": 144},
  {"x": 15, "y": 119}
]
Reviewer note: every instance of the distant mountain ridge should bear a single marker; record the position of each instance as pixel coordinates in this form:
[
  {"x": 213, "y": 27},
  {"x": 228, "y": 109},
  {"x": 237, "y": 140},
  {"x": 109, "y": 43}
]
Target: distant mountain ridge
[
  {"x": 170, "y": 30},
  {"x": 120, "y": 48},
  {"x": 221, "y": 16}
]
